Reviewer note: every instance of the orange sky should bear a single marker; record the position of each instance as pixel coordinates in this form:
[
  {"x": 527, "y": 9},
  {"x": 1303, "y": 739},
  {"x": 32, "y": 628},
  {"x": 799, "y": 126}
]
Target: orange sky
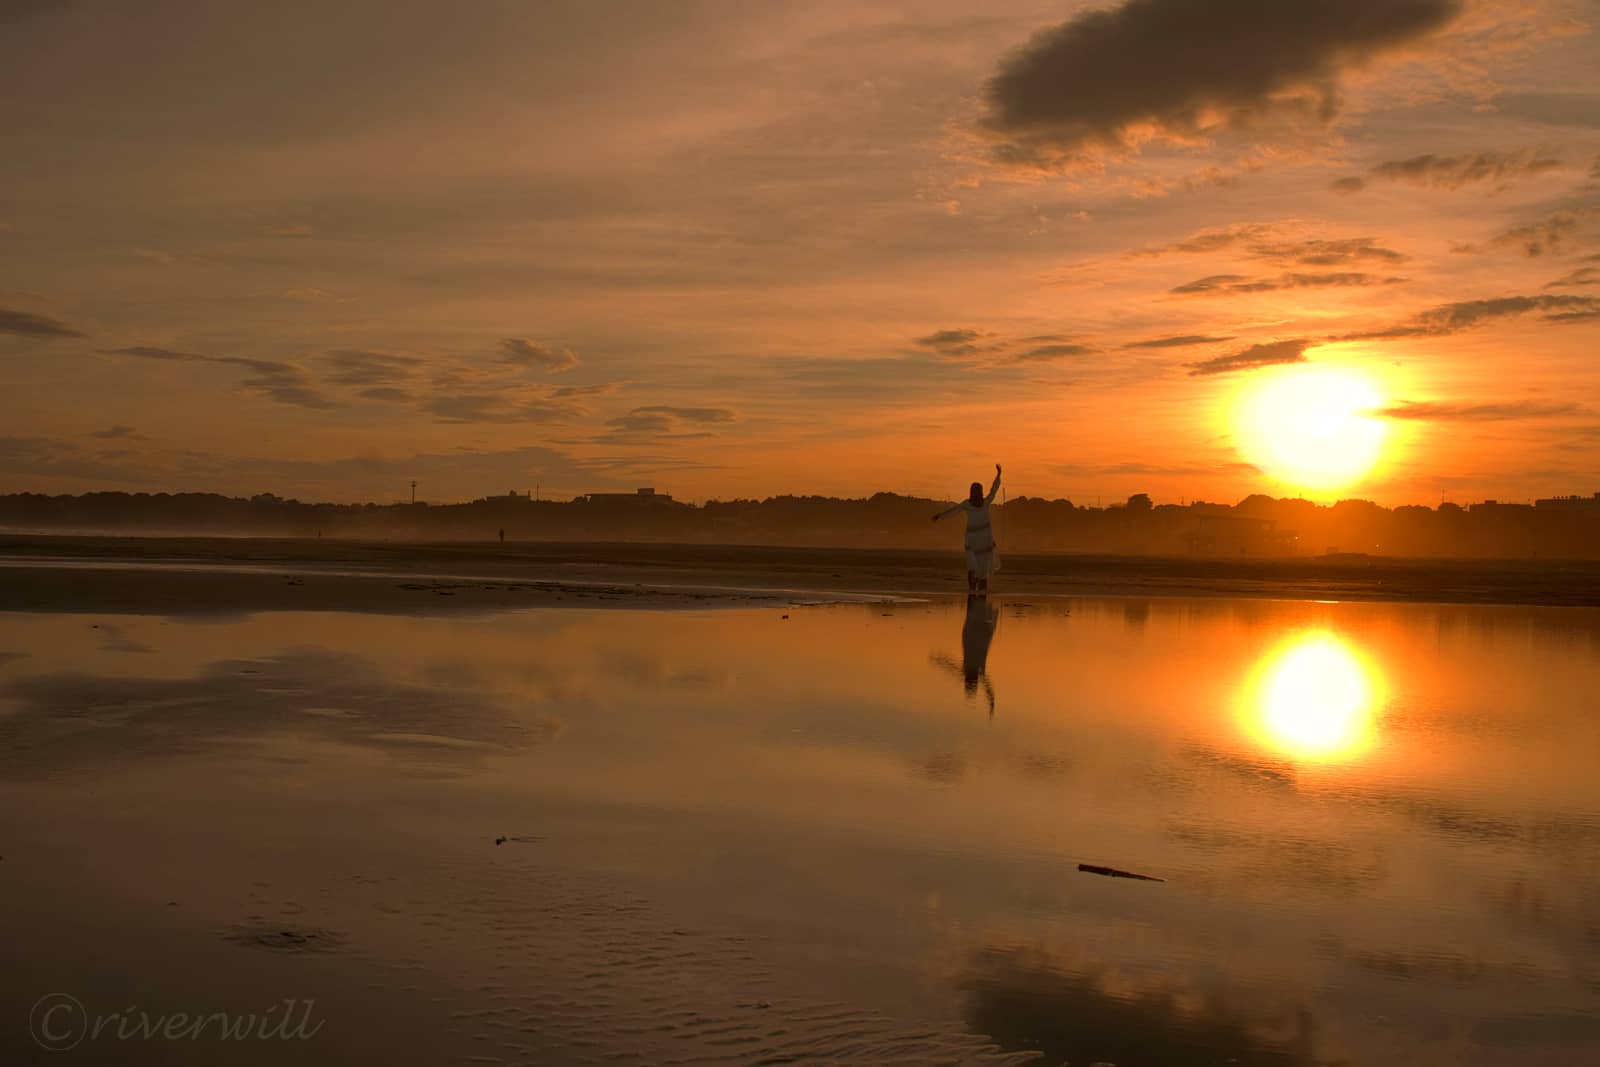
[{"x": 731, "y": 249}]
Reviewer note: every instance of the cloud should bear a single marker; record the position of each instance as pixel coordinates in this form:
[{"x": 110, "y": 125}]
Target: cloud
[
  {"x": 1453, "y": 172},
  {"x": 353, "y": 366},
  {"x": 688, "y": 414},
  {"x": 27, "y": 324},
  {"x": 521, "y": 352},
  {"x": 1113, "y": 78},
  {"x": 1581, "y": 276},
  {"x": 1264, "y": 355},
  {"x": 1213, "y": 239},
  {"x": 115, "y": 433},
  {"x": 1180, "y": 341},
  {"x": 1552, "y": 109},
  {"x": 1258, "y": 241},
  {"x": 1225, "y": 284},
  {"x": 663, "y": 422},
  {"x": 1535, "y": 239},
  {"x": 1447, "y": 319},
  {"x": 1057, "y": 351},
  {"x": 1489, "y": 412},
  {"x": 1325, "y": 253},
  {"x": 284, "y": 382},
  {"x": 386, "y": 393},
  {"x": 958, "y": 342},
  {"x": 498, "y": 407}
]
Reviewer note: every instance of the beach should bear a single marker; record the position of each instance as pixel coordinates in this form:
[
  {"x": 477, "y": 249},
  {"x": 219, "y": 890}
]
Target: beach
[{"x": 579, "y": 805}]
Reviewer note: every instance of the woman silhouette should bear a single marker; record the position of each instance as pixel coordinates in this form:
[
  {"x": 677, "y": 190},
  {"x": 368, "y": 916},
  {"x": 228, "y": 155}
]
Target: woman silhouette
[{"x": 982, "y": 559}]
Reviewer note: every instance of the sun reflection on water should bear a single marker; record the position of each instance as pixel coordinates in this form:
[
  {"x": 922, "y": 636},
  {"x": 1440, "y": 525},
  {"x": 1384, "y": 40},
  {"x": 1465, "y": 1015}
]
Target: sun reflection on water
[{"x": 1315, "y": 698}]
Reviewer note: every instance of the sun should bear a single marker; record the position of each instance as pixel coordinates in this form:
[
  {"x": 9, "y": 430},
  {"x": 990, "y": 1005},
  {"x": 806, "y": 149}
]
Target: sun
[{"x": 1314, "y": 427}]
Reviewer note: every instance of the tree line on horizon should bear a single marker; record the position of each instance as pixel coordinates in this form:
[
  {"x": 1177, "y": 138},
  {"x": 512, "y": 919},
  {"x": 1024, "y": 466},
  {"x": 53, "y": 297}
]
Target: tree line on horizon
[{"x": 1258, "y": 526}]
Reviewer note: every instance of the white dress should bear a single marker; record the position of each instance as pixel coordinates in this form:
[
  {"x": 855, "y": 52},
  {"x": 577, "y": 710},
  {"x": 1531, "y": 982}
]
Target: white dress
[{"x": 982, "y": 558}]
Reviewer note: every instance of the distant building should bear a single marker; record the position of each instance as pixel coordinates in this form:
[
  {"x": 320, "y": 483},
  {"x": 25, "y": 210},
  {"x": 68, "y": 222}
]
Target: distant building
[
  {"x": 1233, "y": 535},
  {"x": 1570, "y": 503},
  {"x": 638, "y": 496}
]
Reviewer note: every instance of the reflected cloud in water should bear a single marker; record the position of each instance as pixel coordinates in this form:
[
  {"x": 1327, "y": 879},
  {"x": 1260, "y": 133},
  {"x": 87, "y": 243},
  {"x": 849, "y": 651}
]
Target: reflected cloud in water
[{"x": 1026, "y": 999}]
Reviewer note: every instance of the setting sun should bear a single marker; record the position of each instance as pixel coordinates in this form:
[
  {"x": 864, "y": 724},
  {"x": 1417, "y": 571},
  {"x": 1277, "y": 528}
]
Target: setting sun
[
  {"x": 1314, "y": 699},
  {"x": 1310, "y": 426}
]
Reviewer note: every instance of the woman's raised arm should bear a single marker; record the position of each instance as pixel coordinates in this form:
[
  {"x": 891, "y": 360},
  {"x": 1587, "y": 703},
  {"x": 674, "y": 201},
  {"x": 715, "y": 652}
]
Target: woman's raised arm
[{"x": 995, "y": 488}]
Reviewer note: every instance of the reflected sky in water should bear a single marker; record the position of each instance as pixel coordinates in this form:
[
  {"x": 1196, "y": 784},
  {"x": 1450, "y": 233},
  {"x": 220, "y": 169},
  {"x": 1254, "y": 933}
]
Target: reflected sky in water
[{"x": 1378, "y": 824}]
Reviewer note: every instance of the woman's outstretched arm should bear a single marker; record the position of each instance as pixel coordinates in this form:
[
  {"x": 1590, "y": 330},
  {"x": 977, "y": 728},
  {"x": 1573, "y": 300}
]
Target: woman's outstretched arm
[
  {"x": 993, "y": 489},
  {"x": 951, "y": 510}
]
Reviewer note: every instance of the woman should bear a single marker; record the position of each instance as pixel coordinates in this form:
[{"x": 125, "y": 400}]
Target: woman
[{"x": 982, "y": 559}]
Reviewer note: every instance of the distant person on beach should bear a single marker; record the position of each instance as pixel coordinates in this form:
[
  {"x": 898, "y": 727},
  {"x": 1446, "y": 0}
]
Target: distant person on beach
[{"x": 982, "y": 559}]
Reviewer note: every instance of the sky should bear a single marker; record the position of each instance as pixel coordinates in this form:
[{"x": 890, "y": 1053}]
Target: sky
[{"x": 740, "y": 250}]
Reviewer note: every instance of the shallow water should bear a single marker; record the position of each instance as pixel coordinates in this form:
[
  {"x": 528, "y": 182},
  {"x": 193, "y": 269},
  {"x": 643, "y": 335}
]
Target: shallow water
[{"x": 851, "y": 834}]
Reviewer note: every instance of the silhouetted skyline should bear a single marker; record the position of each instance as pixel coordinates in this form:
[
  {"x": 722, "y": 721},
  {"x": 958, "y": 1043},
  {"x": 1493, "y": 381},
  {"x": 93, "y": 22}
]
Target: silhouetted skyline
[{"x": 1257, "y": 527}]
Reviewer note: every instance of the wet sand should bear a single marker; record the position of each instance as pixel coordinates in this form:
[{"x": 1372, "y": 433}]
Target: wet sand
[
  {"x": 395, "y": 790},
  {"x": 660, "y": 575}
]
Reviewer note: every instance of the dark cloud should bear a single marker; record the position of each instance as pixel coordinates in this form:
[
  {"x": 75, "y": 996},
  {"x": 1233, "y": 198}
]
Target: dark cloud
[
  {"x": 386, "y": 393},
  {"x": 1058, "y": 351},
  {"x": 27, "y": 324},
  {"x": 284, "y": 382},
  {"x": 1226, "y": 284},
  {"x": 1181, "y": 341},
  {"x": 1265, "y": 355},
  {"x": 1453, "y": 172},
  {"x": 521, "y": 352},
  {"x": 1108, "y": 78},
  {"x": 1489, "y": 412},
  {"x": 350, "y": 366},
  {"x": 1464, "y": 315}
]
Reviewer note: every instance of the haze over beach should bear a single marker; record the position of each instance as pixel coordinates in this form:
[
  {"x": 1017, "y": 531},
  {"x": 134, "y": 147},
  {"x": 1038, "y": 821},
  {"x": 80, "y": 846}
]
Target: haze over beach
[{"x": 845, "y": 533}]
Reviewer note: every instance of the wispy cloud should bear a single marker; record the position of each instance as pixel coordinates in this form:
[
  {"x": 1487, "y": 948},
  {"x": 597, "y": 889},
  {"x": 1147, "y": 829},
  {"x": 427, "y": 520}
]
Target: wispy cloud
[
  {"x": 118, "y": 433},
  {"x": 1263, "y": 355},
  {"x": 1483, "y": 412},
  {"x": 653, "y": 423},
  {"x": 1453, "y": 172},
  {"x": 1266, "y": 242},
  {"x": 1235, "y": 284},
  {"x": 1447, "y": 319},
  {"x": 287, "y": 383},
  {"x": 1186, "y": 340},
  {"x": 521, "y": 352}
]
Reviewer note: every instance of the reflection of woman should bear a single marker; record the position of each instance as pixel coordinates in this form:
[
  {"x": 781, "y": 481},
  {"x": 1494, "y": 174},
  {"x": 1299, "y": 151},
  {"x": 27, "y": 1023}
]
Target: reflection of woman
[
  {"x": 982, "y": 559},
  {"x": 977, "y": 633}
]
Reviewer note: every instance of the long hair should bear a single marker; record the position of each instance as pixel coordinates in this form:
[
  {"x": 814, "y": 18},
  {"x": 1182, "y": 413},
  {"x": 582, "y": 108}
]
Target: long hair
[{"x": 976, "y": 494}]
